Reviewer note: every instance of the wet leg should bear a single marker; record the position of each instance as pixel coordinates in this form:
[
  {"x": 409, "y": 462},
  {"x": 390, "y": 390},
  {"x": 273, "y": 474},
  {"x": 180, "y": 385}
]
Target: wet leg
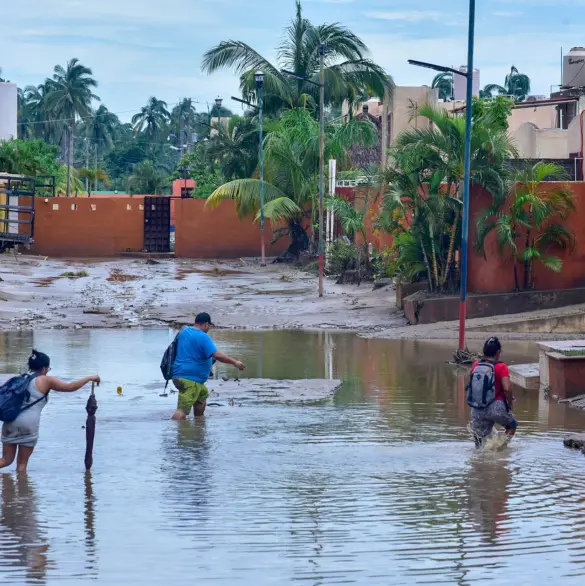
[
  {"x": 178, "y": 415},
  {"x": 8, "y": 455},
  {"x": 24, "y": 454},
  {"x": 199, "y": 408}
]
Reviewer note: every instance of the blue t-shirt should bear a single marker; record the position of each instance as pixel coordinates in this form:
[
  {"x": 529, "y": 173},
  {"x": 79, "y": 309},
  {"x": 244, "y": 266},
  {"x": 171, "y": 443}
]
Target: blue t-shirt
[{"x": 194, "y": 355}]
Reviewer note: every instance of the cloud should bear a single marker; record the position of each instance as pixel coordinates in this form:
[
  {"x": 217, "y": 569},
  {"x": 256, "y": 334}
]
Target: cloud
[
  {"x": 507, "y": 13},
  {"x": 409, "y": 15}
]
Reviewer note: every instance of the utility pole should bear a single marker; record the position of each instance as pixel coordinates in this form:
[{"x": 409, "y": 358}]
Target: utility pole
[
  {"x": 259, "y": 77},
  {"x": 385, "y": 108},
  {"x": 321, "y": 164}
]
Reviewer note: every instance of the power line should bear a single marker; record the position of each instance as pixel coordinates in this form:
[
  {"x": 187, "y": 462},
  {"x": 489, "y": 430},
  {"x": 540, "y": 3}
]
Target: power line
[{"x": 104, "y": 114}]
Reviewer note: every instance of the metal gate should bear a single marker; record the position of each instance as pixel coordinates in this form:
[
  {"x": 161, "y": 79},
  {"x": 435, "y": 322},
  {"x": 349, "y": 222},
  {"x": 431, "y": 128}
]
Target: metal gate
[{"x": 157, "y": 224}]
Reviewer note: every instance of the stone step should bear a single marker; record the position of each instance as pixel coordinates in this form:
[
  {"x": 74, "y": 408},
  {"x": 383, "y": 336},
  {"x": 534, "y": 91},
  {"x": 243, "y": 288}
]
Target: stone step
[{"x": 525, "y": 376}]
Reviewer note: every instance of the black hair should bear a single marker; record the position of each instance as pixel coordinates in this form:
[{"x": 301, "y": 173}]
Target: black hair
[
  {"x": 37, "y": 361},
  {"x": 492, "y": 347}
]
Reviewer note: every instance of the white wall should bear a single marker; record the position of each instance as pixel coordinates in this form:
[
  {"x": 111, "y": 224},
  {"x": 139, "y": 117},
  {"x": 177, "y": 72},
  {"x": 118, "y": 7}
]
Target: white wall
[
  {"x": 541, "y": 143},
  {"x": 8, "y": 111}
]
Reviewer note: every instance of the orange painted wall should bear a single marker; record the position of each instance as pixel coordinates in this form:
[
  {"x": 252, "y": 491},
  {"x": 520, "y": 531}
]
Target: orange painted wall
[
  {"x": 79, "y": 227},
  {"x": 496, "y": 275},
  {"x": 202, "y": 233}
]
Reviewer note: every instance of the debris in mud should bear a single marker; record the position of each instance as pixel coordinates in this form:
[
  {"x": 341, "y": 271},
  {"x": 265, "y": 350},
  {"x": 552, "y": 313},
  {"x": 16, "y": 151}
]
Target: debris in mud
[
  {"x": 117, "y": 276},
  {"x": 151, "y": 261},
  {"x": 575, "y": 442},
  {"x": 74, "y": 275},
  {"x": 465, "y": 356},
  {"x": 98, "y": 310}
]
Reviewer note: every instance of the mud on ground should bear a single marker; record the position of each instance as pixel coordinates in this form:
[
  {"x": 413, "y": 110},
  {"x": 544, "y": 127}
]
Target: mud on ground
[
  {"x": 39, "y": 293},
  {"x": 44, "y": 293}
]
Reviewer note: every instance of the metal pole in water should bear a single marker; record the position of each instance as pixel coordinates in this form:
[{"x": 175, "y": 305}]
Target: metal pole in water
[{"x": 467, "y": 176}]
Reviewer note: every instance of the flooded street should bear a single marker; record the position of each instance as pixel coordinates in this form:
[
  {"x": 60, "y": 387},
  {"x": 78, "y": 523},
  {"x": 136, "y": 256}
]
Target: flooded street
[{"x": 378, "y": 486}]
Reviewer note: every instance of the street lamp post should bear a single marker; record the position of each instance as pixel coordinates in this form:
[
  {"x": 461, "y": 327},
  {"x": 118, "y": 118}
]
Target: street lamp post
[
  {"x": 467, "y": 162},
  {"x": 321, "y": 164},
  {"x": 259, "y": 77}
]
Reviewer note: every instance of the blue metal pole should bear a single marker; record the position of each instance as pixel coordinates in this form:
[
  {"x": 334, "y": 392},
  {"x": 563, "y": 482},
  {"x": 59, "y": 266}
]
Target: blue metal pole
[
  {"x": 467, "y": 176},
  {"x": 261, "y": 156}
]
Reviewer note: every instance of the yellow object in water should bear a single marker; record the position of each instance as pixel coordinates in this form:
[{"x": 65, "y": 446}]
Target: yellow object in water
[{"x": 119, "y": 391}]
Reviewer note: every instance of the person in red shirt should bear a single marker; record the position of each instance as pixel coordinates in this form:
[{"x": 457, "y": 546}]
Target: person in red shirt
[{"x": 500, "y": 411}]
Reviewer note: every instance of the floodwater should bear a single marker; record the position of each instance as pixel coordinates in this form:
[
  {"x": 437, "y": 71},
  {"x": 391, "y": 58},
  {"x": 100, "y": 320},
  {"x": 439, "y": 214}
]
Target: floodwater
[{"x": 378, "y": 486}]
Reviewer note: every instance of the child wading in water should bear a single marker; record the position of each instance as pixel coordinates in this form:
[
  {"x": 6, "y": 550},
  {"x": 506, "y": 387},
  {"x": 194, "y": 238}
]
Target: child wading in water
[
  {"x": 21, "y": 435},
  {"x": 490, "y": 394}
]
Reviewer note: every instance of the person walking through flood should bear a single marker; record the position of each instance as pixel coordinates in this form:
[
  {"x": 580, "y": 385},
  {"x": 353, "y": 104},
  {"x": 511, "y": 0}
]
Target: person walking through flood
[
  {"x": 196, "y": 353},
  {"x": 489, "y": 394},
  {"x": 20, "y": 437}
]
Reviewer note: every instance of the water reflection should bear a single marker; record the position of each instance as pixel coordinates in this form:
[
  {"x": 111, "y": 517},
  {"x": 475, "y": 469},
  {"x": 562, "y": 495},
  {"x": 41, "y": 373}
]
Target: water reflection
[
  {"x": 378, "y": 486},
  {"x": 23, "y": 541},
  {"x": 488, "y": 486},
  {"x": 91, "y": 563}
]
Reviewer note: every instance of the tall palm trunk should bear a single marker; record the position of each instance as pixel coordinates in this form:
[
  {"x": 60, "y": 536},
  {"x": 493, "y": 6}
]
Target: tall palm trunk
[
  {"x": 527, "y": 261},
  {"x": 69, "y": 160},
  {"x": 451, "y": 252},
  {"x": 427, "y": 264},
  {"x": 95, "y": 181},
  {"x": 434, "y": 254}
]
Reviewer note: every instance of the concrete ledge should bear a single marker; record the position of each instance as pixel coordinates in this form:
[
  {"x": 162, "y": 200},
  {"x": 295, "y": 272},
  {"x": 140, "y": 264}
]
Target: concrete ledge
[
  {"x": 422, "y": 309},
  {"x": 404, "y": 290},
  {"x": 525, "y": 376}
]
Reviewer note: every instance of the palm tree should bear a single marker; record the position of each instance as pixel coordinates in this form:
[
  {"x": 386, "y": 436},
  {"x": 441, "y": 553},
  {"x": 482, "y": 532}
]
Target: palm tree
[
  {"x": 183, "y": 118},
  {"x": 530, "y": 221},
  {"x": 291, "y": 165},
  {"x": 235, "y": 148},
  {"x": 428, "y": 171},
  {"x": 348, "y": 70},
  {"x": 444, "y": 83},
  {"x": 517, "y": 84},
  {"x": 93, "y": 176},
  {"x": 148, "y": 179},
  {"x": 152, "y": 118},
  {"x": 101, "y": 130},
  {"x": 70, "y": 98},
  {"x": 491, "y": 90}
]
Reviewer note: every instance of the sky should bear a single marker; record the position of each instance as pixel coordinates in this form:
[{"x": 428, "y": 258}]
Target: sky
[{"x": 143, "y": 48}]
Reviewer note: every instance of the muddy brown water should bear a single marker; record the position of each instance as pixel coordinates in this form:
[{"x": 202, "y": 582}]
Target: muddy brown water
[{"x": 378, "y": 486}]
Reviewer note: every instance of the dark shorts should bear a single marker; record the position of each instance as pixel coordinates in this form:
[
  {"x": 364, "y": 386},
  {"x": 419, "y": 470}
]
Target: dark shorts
[{"x": 483, "y": 420}]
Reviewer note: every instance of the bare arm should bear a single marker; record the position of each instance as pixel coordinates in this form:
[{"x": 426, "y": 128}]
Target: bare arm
[
  {"x": 507, "y": 388},
  {"x": 55, "y": 384},
  {"x": 221, "y": 357}
]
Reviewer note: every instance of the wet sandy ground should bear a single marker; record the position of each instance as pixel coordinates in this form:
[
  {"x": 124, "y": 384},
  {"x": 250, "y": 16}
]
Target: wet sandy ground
[
  {"x": 34, "y": 293},
  {"x": 135, "y": 292}
]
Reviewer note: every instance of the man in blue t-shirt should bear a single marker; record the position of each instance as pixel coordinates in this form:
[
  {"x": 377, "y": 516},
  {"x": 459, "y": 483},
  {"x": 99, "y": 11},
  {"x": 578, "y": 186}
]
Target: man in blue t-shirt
[{"x": 196, "y": 353}]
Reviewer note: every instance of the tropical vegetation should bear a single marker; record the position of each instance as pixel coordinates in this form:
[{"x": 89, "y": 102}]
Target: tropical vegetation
[
  {"x": 516, "y": 85},
  {"x": 350, "y": 74},
  {"x": 530, "y": 220}
]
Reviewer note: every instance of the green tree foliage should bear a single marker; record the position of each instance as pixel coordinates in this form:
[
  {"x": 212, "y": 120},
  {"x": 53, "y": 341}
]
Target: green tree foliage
[
  {"x": 530, "y": 220},
  {"x": 349, "y": 75}
]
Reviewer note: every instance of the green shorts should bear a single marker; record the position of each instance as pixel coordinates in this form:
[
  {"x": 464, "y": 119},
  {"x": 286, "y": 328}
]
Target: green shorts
[{"x": 190, "y": 393}]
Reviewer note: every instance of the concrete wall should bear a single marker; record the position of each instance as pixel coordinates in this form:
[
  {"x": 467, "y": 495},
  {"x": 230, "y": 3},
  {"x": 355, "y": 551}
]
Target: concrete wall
[
  {"x": 202, "y": 233},
  {"x": 541, "y": 143},
  {"x": 76, "y": 227},
  {"x": 540, "y": 116},
  {"x": 495, "y": 274}
]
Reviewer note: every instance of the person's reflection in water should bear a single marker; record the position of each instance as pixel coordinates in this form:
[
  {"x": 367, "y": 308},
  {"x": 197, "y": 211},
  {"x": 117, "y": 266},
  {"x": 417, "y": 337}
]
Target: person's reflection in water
[
  {"x": 488, "y": 486},
  {"x": 20, "y": 527},
  {"x": 188, "y": 468},
  {"x": 89, "y": 519}
]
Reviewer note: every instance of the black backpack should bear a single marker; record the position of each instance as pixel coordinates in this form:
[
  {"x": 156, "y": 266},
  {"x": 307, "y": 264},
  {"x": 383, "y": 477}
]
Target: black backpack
[
  {"x": 168, "y": 360},
  {"x": 13, "y": 393},
  {"x": 481, "y": 390}
]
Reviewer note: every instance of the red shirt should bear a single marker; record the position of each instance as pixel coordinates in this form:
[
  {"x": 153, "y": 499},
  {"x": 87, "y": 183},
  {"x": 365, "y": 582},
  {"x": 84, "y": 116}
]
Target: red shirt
[{"x": 501, "y": 371}]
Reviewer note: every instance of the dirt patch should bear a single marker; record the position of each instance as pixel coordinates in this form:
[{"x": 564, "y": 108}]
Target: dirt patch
[
  {"x": 45, "y": 282},
  {"x": 182, "y": 274},
  {"x": 117, "y": 276}
]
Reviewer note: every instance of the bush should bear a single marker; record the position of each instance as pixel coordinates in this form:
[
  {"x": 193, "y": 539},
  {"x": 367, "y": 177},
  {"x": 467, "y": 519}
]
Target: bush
[{"x": 341, "y": 257}]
